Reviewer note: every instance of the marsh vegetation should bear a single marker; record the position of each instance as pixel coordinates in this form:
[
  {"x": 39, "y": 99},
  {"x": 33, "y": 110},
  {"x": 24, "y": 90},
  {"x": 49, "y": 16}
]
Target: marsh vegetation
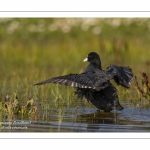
[{"x": 32, "y": 50}]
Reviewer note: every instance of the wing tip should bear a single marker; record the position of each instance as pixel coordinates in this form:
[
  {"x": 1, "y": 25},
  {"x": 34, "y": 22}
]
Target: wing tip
[{"x": 38, "y": 84}]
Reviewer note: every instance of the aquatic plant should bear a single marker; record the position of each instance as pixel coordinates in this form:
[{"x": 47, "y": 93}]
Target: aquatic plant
[
  {"x": 145, "y": 90},
  {"x": 15, "y": 107}
]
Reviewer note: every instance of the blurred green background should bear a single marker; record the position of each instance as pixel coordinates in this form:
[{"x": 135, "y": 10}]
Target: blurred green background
[{"x": 34, "y": 49}]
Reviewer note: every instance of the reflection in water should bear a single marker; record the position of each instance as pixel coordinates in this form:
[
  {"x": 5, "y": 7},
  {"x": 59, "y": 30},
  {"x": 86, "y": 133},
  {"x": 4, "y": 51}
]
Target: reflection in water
[
  {"x": 128, "y": 120},
  {"x": 99, "y": 117}
]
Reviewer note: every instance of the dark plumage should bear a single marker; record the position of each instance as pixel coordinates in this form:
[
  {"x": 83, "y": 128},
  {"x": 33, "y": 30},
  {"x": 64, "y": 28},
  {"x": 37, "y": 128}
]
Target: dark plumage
[{"x": 94, "y": 83}]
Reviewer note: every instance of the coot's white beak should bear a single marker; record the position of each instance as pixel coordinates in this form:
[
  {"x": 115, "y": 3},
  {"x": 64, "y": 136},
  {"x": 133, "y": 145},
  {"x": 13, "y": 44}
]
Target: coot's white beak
[{"x": 86, "y": 59}]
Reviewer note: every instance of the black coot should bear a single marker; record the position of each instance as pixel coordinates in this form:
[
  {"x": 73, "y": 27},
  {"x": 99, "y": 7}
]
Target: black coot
[{"x": 94, "y": 83}]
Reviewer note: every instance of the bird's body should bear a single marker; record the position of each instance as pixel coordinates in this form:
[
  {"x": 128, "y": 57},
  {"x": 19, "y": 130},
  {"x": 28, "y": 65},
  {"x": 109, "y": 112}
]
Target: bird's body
[{"x": 94, "y": 83}]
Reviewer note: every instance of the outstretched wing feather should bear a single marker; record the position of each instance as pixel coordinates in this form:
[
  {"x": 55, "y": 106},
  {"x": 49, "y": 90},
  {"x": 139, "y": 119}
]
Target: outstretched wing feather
[{"x": 88, "y": 80}]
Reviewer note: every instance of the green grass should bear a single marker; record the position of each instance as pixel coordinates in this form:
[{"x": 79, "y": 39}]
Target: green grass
[{"x": 30, "y": 52}]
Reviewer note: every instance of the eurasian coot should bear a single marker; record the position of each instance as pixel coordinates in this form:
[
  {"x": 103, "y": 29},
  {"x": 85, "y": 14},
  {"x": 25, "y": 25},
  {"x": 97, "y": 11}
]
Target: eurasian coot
[{"x": 94, "y": 83}]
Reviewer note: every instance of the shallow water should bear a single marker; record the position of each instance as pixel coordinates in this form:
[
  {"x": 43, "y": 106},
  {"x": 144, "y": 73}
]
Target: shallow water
[{"x": 82, "y": 119}]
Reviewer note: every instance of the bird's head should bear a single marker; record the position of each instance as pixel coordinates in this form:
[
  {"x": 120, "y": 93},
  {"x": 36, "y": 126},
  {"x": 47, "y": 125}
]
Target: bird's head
[{"x": 93, "y": 58}]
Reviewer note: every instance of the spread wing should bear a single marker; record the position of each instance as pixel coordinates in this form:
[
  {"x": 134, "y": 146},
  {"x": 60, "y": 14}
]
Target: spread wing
[
  {"x": 97, "y": 79},
  {"x": 122, "y": 75},
  {"x": 91, "y": 80}
]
